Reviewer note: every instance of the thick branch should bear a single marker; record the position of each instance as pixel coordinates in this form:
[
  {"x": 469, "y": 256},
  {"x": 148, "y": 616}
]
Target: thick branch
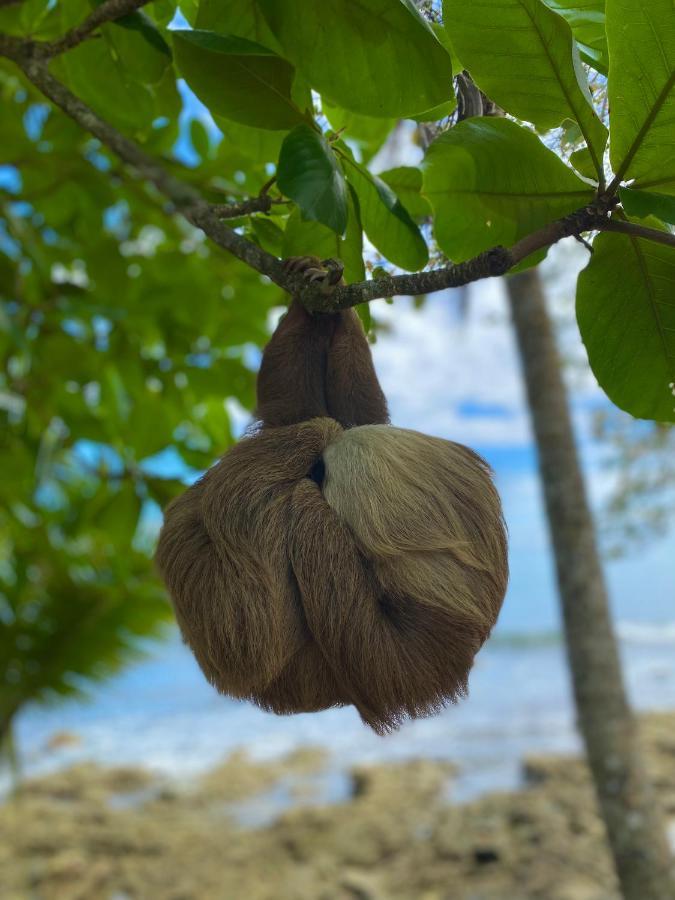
[{"x": 494, "y": 262}]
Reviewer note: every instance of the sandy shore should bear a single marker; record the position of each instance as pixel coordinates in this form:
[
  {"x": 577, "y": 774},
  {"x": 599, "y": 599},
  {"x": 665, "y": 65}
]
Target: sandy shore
[{"x": 252, "y": 831}]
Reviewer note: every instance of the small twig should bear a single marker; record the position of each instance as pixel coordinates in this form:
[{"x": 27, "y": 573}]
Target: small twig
[
  {"x": 262, "y": 203},
  {"x": 265, "y": 189},
  {"x": 108, "y": 11}
]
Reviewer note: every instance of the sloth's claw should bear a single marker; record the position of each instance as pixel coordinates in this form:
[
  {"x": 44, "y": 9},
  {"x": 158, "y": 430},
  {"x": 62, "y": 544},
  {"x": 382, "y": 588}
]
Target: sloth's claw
[{"x": 326, "y": 273}]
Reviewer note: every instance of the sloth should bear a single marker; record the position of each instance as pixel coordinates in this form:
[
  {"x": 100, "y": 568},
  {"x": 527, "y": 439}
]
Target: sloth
[{"x": 330, "y": 558}]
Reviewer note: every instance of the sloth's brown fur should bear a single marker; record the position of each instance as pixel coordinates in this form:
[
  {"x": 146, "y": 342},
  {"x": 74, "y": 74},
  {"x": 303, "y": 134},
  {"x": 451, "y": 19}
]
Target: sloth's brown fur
[{"x": 375, "y": 587}]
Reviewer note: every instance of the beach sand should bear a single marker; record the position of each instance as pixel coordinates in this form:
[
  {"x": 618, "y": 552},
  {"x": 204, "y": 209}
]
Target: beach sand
[{"x": 266, "y": 831}]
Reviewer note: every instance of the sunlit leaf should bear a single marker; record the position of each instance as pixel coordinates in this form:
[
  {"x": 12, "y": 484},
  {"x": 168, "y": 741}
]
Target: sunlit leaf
[
  {"x": 587, "y": 21},
  {"x": 626, "y": 315},
  {"x": 641, "y": 88},
  {"x": 547, "y": 84},
  {"x": 379, "y": 59},
  {"x": 388, "y": 224},
  {"x": 406, "y": 183},
  {"x": 491, "y": 182},
  {"x": 309, "y": 173},
  {"x": 646, "y": 203},
  {"x": 237, "y": 78}
]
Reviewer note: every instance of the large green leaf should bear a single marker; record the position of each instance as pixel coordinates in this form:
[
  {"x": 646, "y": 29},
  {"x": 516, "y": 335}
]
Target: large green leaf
[
  {"x": 587, "y": 21},
  {"x": 406, "y": 183},
  {"x": 388, "y": 224},
  {"x": 309, "y": 173},
  {"x": 241, "y": 17},
  {"x": 491, "y": 182},
  {"x": 104, "y": 83},
  {"x": 136, "y": 40},
  {"x": 641, "y": 87},
  {"x": 238, "y": 79},
  {"x": 312, "y": 238},
  {"x": 367, "y": 132},
  {"x": 645, "y": 203},
  {"x": 626, "y": 315},
  {"x": 376, "y": 57},
  {"x": 524, "y": 57}
]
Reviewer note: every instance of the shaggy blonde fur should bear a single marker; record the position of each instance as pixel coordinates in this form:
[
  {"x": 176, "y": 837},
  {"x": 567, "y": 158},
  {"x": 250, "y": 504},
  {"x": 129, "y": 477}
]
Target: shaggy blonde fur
[{"x": 317, "y": 565}]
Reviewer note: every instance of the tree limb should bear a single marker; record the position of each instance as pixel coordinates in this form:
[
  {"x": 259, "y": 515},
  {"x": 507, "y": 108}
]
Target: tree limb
[
  {"x": 108, "y": 11},
  {"x": 640, "y": 231},
  {"x": 208, "y": 217}
]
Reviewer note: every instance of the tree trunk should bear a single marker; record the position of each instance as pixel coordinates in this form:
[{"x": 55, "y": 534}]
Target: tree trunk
[{"x": 635, "y": 829}]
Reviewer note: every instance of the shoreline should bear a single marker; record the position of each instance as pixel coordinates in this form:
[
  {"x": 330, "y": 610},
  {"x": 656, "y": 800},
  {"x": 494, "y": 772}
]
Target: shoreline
[{"x": 300, "y": 827}]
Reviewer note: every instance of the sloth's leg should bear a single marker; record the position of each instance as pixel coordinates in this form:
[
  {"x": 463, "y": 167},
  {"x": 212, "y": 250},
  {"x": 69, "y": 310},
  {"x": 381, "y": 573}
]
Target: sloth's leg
[{"x": 352, "y": 392}]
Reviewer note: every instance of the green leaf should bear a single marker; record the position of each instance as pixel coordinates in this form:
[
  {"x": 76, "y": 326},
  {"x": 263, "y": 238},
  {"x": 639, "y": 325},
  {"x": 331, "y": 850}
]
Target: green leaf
[
  {"x": 524, "y": 57},
  {"x": 583, "y": 163},
  {"x": 388, "y": 224},
  {"x": 406, "y": 183},
  {"x": 312, "y": 239},
  {"x": 626, "y": 315},
  {"x": 199, "y": 138},
  {"x": 238, "y": 79},
  {"x": 379, "y": 59},
  {"x": 119, "y": 517},
  {"x": 269, "y": 235},
  {"x": 644, "y": 203},
  {"x": 26, "y": 18},
  {"x": 92, "y": 73},
  {"x": 442, "y": 111},
  {"x": 254, "y": 145},
  {"x": 367, "y": 132},
  {"x": 241, "y": 17},
  {"x": 363, "y": 312},
  {"x": 136, "y": 40},
  {"x": 491, "y": 182},
  {"x": 309, "y": 174},
  {"x": 641, "y": 89},
  {"x": 586, "y": 18}
]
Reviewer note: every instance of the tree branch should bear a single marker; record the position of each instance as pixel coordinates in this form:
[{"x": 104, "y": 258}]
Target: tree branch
[
  {"x": 183, "y": 197},
  {"x": 108, "y": 11},
  {"x": 640, "y": 231},
  {"x": 187, "y": 201}
]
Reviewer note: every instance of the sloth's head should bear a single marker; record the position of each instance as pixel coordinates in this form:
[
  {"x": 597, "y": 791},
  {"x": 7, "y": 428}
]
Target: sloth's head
[{"x": 314, "y": 566}]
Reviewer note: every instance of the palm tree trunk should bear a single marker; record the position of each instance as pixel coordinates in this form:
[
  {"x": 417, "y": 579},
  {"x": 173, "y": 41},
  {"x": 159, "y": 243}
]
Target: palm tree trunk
[{"x": 635, "y": 829}]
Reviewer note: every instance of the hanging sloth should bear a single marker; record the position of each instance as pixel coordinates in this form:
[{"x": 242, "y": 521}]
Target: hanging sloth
[{"x": 329, "y": 558}]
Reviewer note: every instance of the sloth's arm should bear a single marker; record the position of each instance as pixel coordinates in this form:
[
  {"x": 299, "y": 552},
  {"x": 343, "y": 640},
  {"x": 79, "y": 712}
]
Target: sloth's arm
[{"x": 319, "y": 364}]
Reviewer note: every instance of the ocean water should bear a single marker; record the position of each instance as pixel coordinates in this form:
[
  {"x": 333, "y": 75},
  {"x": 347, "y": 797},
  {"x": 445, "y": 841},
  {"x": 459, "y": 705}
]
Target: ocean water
[{"x": 160, "y": 713}]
